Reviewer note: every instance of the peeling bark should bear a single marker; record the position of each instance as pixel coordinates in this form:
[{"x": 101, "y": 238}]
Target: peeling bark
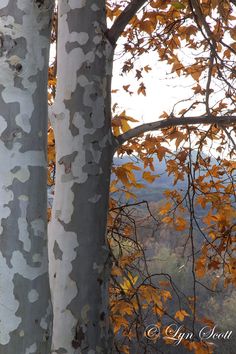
[
  {"x": 24, "y": 286},
  {"x": 78, "y": 254}
]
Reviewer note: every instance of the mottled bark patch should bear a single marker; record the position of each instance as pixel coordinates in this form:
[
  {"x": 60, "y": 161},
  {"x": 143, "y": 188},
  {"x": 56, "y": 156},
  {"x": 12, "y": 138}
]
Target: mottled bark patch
[
  {"x": 57, "y": 251},
  {"x": 67, "y": 161},
  {"x": 24, "y": 50}
]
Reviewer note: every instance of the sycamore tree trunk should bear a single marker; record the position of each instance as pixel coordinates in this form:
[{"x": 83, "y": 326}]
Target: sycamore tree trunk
[
  {"x": 24, "y": 288},
  {"x": 78, "y": 254}
]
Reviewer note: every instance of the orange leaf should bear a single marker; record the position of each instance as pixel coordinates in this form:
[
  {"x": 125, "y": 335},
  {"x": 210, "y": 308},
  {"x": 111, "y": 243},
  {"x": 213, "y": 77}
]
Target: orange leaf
[{"x": 181, "y": 314}]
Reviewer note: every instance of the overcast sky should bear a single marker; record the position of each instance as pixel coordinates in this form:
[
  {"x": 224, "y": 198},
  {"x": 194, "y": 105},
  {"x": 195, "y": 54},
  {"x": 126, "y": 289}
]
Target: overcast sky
[{"x": 163, "y": 89}]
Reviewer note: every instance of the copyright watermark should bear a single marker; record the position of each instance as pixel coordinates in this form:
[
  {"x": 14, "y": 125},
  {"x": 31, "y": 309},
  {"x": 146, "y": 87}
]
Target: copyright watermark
[
  {"x": 152, "y": 332},
  {"x": 176, "y": 333}
]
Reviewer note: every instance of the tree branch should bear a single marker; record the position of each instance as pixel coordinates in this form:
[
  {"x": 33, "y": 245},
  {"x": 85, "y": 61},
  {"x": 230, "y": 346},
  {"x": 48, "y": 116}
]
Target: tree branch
[
  {"x": 174, "y": 122},
  {"x": 230, "y": 137},
  {"x": 121, "y": 22}
]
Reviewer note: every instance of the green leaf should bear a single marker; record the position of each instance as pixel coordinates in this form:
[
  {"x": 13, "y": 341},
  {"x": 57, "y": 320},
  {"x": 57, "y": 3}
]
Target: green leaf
[{"x": 178, "y": 5}]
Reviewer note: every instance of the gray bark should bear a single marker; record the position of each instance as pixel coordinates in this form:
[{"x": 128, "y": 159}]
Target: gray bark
[
  {"x": 25, "y": 314},
  {"x": 78, "y": 254}
]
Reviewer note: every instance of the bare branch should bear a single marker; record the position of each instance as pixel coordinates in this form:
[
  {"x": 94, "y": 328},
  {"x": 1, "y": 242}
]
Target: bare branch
[
  {"x": 174, "y": 122},
  {"x": 121, "y": 22},
  {"x": 208, "y": 85},
  {"x": 230, "y": 137}
]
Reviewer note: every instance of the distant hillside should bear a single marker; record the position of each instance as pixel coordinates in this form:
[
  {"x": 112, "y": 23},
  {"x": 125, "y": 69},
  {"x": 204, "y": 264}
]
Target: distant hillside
[{"x": 153, "y": 191}]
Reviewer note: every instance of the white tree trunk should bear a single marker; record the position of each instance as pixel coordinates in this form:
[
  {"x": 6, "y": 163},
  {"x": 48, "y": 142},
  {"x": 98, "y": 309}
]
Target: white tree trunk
[
  {"x": 25, "y": 314},
  {"x": 78, "y": 254}
]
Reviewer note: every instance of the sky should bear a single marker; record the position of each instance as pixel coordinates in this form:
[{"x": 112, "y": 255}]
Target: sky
[{"x": 163, "y": 89}]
